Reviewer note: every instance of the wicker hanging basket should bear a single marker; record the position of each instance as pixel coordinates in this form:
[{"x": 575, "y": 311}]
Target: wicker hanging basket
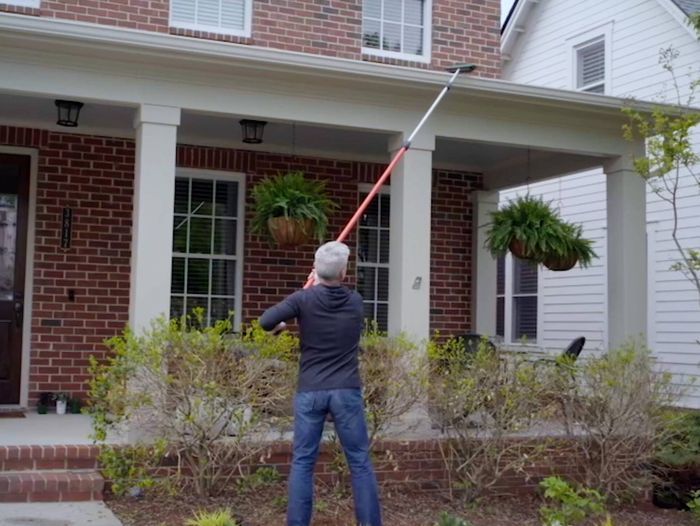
[
  {"x": 518, "y": 249},
  {"x": 560, "y": 263},
  {"x": 288, "y": 232}
]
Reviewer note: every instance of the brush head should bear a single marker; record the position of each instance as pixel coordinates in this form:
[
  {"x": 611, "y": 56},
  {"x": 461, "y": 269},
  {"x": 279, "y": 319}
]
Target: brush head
[{"x": 462, "y": 68}]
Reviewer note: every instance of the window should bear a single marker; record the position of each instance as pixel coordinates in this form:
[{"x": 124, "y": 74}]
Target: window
[
  {"x": 590, "y": 59},
  {"x": 24, "y": 3},
  {"x": 229, "y": 17},
  {"x": 373, "y": 259},
  {"x": 516, "y": 299},
  {"x": 590, "y": 66},
  {"x": 397, "y": 28},
  {"x": 207, "y": 246}
]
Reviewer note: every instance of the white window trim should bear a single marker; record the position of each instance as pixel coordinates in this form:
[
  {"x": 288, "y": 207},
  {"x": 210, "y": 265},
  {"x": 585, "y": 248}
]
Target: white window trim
[
  {"x": 36, "y": 4},
  {"x": 213, "y": 175},
  {"x": 384, "y": 190},
  {"x": 508, "y": 305},
  {"x": 246, "y": 32},
  {"x": 427, "y": 40},
  {"x": 576, "y": 42}
]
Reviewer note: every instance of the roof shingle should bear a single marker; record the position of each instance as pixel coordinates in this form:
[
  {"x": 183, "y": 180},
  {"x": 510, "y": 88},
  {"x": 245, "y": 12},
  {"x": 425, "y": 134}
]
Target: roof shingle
[{"x": 688, "y": 6}]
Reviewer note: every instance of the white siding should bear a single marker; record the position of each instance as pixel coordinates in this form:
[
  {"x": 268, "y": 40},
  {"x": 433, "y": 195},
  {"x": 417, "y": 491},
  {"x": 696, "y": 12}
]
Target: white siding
[{"x": 574, "y": 303}]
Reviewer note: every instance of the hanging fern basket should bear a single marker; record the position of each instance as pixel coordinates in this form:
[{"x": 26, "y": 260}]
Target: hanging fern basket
[
  {"x": 519, "y": 250},
  {"x": 561, "y": 263},
  {"x": 290, "y": 232}
]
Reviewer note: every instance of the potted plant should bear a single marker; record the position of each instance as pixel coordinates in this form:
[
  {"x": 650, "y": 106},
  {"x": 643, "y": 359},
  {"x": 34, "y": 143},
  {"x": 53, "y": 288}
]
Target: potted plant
[
  {"x": 532, "y": 230},
  {"x": 75, "y": 405},
  {"x": 291, "y": 209},
  {"x": 44, "y": 400},
  {"x": 61, "y": 402},
  {"x": 569, "y": 248}
]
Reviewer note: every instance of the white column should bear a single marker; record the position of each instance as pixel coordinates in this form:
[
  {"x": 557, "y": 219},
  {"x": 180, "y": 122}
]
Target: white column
[
  {"x": 152, "y": 232},
  {"x": 627, "y": 253},
  {"x": 484, "y": 268},
  {"x": 409, "y": 251}
]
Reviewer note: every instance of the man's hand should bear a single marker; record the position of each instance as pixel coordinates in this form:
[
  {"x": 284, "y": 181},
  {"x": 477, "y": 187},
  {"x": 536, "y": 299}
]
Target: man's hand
[
  {"x": 279, "y": 328},
  {"x": 313, "y": 278}
]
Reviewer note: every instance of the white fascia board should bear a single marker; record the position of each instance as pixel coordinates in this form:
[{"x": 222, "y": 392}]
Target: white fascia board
[
  {"x": 215, "y": 53},
  {"x": 679, "y": 15},
  {"x": 515, "y": 27}
]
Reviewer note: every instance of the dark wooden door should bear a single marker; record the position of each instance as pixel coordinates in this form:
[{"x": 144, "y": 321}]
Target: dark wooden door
[{"x": 14, "y": 204}]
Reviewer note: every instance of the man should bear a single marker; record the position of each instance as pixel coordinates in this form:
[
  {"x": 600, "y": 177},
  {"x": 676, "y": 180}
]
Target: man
[{"x": 330, "y": 324}]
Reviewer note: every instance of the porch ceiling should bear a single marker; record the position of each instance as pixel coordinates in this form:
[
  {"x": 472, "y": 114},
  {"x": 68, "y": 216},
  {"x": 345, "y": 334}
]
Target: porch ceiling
[{"x": 504, "y": 165}]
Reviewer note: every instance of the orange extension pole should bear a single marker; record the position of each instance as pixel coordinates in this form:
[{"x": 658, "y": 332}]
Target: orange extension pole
[{"x": 397, "y": 157}]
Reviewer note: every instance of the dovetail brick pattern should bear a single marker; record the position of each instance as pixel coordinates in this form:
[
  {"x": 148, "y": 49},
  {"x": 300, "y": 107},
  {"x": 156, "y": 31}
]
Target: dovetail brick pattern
[
  {"x": 94, "y": 176},
  {"x": 463, "y": 31}
]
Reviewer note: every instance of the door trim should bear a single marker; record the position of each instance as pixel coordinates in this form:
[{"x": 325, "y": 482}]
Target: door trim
[{"x": 33, "y": 155}]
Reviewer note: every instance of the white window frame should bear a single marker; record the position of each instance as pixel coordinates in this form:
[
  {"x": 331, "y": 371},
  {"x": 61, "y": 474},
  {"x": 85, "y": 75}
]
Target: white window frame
[
  {"x": 364, "y": 188},
  {"x": 580, "y": 41},
  {"x": 213, "y": 175},
  {"x": 36, "y": 4},
  {"x": 246, "y": 32},
  {"x": 509, "y": 305},
  {"x": 427, "y": 39}
]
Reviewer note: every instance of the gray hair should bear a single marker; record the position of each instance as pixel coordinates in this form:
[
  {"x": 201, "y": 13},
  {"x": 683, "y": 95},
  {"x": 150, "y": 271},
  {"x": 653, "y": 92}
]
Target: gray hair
[{"x": 331, "y": 260}]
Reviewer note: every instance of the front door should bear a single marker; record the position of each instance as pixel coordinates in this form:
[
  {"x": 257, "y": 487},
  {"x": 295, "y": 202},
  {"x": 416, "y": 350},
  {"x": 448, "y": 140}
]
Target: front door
[{"x": 14, "y": 204}]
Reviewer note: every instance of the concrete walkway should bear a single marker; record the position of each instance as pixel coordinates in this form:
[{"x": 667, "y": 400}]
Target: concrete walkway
[{"x": 57, "y": 514}]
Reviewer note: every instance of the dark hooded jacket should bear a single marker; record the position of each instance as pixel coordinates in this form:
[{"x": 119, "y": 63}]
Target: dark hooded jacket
[{"x": 330, "y": 326}]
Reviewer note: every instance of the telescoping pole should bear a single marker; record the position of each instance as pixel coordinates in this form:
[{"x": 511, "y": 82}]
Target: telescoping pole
[{"x": 456, "y": 70}]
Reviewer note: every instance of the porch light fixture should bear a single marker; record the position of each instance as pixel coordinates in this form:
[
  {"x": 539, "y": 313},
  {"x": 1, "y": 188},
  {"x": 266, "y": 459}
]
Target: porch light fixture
[
  {"x": 68, "y": 112},
  {"x": 252, "y": 131}
]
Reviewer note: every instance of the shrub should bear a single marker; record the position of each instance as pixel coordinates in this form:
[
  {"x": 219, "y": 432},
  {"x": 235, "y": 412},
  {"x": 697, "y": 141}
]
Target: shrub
[
  {"x": 450, "y": 520},
  {"x": 202, "y": 391},
  {"x": 483, "y": 401},
  {"x": 694, "y": 505},
  {"x": 214, "y": 518},
  {"x": 569, "y": 506},
  {"x": 615, "y": 406}
]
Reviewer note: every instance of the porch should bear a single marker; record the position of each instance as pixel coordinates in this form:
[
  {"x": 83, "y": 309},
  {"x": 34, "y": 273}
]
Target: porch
[{"x": 177, "y": 119}]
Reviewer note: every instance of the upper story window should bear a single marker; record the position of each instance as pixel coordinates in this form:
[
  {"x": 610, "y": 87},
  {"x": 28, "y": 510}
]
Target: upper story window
[
  {"x": 23, "y": 3},
  {"x": 590, "y": 59},
  {"x": 590, "y": 66},
  {"x": 397, "y": 29},
  {"x": 229, "y": 17}
]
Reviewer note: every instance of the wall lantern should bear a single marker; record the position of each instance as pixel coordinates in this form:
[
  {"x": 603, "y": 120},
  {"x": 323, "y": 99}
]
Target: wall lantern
[
  {"x": 68, "y": 112},
  {"x": 252, "y": 131}
]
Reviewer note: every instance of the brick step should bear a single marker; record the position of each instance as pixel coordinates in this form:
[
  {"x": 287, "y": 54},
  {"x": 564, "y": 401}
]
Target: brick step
[
  {"x": 51, "y": 486},
  {"x": 45, "y": 458}
]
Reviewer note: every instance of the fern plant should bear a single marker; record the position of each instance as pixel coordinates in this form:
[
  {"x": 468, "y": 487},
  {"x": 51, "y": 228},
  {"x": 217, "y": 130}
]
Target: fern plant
[
  {"x": 292, "y": 196},
  {"x": 531, "y": 229},
  {"x": 450, "y": 520},
  {"x": 215, "y": 518}
]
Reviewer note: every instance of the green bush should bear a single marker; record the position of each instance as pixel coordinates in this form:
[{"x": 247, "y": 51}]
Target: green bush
[
  {"x": 569, "y": 506},
  {"x": 450, "y": 520},
  {"x": 203, "y": 391},
  {"x": 215, "y": 518},
  {"x": 129, "y": 467},
  {"x": 694, "y": 505},
  {"x": 482, "y": 401},
  {"x": 616, "y": 406}
]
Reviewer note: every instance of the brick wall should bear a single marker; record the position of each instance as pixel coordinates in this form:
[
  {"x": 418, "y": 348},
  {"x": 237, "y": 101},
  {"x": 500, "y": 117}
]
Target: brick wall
[
  {"x": 94, "y": 176},
  {"x": 463, "y": 31}
]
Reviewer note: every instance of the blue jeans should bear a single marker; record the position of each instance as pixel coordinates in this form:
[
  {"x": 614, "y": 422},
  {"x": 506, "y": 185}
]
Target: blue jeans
[{"x": 347, "y": 408}]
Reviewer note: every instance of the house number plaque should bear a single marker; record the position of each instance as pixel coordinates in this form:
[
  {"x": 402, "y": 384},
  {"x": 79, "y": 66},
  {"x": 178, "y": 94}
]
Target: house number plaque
[{"x": 66, "y": 228}]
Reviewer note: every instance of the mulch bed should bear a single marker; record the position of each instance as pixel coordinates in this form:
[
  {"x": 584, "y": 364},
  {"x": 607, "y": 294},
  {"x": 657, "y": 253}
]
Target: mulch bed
[{"x": 266, "y": 507}]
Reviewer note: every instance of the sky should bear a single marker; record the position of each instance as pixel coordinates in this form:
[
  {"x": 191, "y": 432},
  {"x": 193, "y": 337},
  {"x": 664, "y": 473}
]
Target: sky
[{"x": 505, "y": 7}]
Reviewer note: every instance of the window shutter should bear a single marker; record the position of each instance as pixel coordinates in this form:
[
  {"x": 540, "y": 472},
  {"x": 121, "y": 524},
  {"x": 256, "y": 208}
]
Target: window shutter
[
  {"x": 591, "y": 66},
  {"x": 224, "y": 14}
]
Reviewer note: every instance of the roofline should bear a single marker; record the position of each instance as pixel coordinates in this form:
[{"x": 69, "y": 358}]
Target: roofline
[
  {"x": 509, "y": 36},
  {"x": 216, "y": 53}
]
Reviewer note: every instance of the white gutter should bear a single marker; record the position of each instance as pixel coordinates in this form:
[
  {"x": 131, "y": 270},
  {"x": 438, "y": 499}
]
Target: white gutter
[{"x": 146, "y": 42}]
